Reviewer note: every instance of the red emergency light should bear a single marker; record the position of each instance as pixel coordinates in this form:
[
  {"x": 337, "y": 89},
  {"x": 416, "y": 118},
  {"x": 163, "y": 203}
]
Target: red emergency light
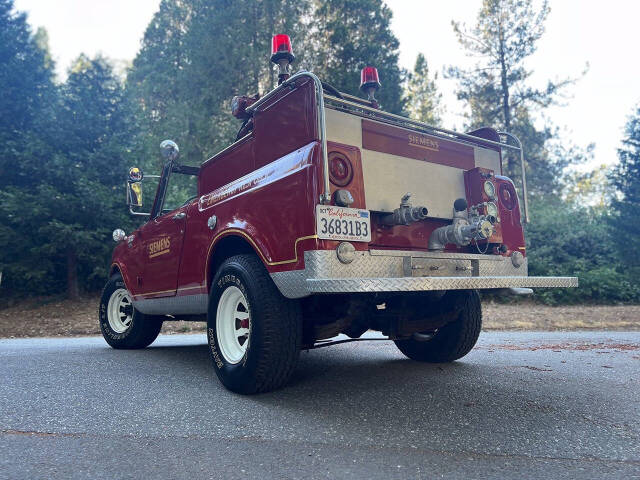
[
  {"x": 281, "y": 49},
  {"x": 369, "y": 84},
  {"x": 369, "y": 78}
]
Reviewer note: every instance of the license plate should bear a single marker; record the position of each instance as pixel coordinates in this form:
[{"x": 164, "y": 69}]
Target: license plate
[{"x": 341, "y": 223}]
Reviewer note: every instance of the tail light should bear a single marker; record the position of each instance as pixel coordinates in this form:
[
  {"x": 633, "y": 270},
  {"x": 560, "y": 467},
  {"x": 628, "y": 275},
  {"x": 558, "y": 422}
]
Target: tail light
[
  {"x": 340, "y": 169},
  {"x": 507, "y": 195}
]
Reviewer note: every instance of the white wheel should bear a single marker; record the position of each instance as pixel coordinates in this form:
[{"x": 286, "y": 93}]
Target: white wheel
[
  {"x": 233, "y": 324},
  {"x": 120, "y": 311}
]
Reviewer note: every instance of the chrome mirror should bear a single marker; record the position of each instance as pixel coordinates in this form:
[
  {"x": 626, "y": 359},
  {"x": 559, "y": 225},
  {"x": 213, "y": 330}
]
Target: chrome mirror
[
  {"x": 119, "y": 235},
  {"x": 169, "y": 150},
  {"x": 135, "y": 174},
  {"x": 134, "y": 194}
]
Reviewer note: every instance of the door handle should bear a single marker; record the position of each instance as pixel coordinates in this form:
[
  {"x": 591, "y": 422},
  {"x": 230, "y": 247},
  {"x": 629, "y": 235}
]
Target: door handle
[{"x": 179, "y": 216}]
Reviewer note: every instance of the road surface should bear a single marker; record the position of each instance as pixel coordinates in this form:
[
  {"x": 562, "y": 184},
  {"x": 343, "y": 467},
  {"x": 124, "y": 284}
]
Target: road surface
[{"x": 520, "y": 405}]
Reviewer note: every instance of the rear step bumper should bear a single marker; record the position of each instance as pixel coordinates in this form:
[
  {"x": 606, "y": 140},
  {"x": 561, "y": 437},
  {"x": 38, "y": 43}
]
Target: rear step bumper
[
  {"x": 400, "y": 271},
  {"x": 410, "y": 284}
]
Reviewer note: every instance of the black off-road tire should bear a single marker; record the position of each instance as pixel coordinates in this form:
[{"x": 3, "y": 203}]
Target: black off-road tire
[
  {"x": 455, "y": 339},
  {"x": 143, "y": 329},
  {"x": 275, "y": 329}
]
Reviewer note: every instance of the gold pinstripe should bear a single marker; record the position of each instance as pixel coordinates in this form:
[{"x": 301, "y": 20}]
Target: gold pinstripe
[
  {"x": 244, "y": 234},
  {"x": 232, "y": 230}
]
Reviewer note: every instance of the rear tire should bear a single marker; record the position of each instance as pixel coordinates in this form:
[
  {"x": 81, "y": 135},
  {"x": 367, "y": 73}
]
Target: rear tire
[
  {"x": 455, "y": 339},
  {"x": 254, "y": 333},
  {"x": 123, "y": 326}
]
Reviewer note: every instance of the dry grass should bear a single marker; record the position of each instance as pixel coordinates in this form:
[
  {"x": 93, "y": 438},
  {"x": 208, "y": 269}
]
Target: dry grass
[
  {"x": 530, "y": 316},
  {"x": 47, "y": 317},
  {"x": 50, "y": 317}
]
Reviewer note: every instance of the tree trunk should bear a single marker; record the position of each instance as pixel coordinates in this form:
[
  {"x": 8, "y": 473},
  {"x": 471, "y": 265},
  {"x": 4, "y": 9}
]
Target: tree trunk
[
  {"x": 506, "y": 108},
  {"x": 72, "y": 274}
]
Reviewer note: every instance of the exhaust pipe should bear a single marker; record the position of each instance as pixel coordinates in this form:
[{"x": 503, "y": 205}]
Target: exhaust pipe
[{"x": 406, "y": 214}]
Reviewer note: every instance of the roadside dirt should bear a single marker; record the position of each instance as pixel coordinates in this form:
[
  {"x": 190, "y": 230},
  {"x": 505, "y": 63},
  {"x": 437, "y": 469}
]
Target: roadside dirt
[{"x": 51, "y": 317}]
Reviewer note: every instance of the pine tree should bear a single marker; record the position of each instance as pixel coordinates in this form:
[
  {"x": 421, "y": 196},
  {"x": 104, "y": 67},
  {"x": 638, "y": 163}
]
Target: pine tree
[
  {"x": 626, "y": 179},
  {"x": 497, "y": 91},
  {"x": 60, "y": 241},
  {"x": 196, "y": 55},
  {"x": 348, "y": 35},
  {"x": 27, "y": 89},
  {"x": 423, "y": 99},
  {"x": 28, "y": 95}
]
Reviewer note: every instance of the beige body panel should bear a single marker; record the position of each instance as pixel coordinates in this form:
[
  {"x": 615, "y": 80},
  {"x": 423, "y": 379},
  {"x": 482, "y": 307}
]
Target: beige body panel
[{"x": 388, "y": 177}]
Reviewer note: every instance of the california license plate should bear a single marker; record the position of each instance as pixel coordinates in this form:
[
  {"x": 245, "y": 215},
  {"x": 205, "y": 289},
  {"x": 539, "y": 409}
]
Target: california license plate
[{"x": 341, "y": 223}]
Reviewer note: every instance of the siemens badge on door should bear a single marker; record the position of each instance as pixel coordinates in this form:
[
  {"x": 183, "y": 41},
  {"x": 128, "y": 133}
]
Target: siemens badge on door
[{"x": 341, "y": 223}]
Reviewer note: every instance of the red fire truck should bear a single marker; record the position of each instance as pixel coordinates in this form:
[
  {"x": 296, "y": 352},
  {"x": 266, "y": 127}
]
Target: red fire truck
[{"x": 326, "y": 216}]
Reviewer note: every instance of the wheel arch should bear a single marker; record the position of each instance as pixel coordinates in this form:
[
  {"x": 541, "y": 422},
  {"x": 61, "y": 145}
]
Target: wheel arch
[
  {"x": 226, "y": 247},
  {"x": 115, "y": 268},
  {"x": 118, "y": 268}
]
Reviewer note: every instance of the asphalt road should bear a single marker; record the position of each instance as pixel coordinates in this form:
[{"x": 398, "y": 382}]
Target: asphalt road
[{"x": 520, "y": 405}]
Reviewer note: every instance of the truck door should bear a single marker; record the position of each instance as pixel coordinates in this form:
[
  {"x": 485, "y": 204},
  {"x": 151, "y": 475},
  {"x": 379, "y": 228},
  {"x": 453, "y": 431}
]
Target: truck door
[
  {"x": 162, "y": 239},
  {"x": 163, "y": 236}
]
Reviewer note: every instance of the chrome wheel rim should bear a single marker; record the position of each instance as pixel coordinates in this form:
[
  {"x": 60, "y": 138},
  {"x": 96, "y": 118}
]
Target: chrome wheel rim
[
  {"x": 120, "y": 311},
  {"x": 233, "y": 324}
]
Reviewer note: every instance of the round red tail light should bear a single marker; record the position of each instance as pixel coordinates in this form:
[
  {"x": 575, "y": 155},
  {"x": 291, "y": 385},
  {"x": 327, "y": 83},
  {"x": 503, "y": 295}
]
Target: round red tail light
[
  {"x": 281, "y": 48},
  {"x": 340, "y": 169},
  {"x": 369, "y": 78},
  {"x": 508, "y": 196}
]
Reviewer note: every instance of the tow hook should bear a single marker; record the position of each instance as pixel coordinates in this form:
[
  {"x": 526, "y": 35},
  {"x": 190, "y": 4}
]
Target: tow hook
[{"x": 406, "y": 214}]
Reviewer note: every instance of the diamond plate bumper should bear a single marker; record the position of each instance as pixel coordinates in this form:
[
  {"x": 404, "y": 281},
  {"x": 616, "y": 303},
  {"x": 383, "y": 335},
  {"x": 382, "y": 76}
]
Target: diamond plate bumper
[
  {"x": 399, "y": 271},
  {"x": 407, "y": 284}
]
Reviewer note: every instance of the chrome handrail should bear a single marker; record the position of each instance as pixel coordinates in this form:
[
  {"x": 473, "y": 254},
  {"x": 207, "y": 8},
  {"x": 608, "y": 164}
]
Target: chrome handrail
[
  {"x": 523, "y": 173},
  {"x": 381, "y": 115}
]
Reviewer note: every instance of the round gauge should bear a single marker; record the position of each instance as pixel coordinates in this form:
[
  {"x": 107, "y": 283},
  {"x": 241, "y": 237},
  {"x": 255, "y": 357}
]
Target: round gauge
[
  {"x": 489, "y": 189},
  {"x": 492, "y": 209}
]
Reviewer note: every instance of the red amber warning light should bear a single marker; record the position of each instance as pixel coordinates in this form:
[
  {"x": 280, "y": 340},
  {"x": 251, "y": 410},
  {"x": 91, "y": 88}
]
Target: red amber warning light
[
  {"x": 369, "y": 78},
  {"x": 281, "y": 48}
]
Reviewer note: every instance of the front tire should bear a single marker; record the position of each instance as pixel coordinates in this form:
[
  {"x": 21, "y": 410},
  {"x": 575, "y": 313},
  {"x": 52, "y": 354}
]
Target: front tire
[
  {"x": 254, "y": 333},
  {"x": 123, "y": 326},
  {"x": 456, "y": 338}
]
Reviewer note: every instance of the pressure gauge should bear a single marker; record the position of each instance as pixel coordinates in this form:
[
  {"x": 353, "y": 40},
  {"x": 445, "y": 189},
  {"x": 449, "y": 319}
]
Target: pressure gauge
[
  {"x": 489, "y": 189},
  {"x": 492, "y": 209}
]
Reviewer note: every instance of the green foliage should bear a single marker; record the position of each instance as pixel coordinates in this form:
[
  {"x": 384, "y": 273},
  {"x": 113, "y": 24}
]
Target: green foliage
[
  {"x": 625, "y": 177},
  {"x": 182, "y": 90},
  {"x": 51, "y": 203},
  {"x": 423, "y": 100},
  {"x": 348, "y": 35},
  {"x": 568, "y": 240}
]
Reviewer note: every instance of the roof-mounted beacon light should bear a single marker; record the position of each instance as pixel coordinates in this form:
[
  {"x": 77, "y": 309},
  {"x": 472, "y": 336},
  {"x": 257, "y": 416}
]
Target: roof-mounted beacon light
[
  {"x": 370, "y": 83},
  {"x": 282, "y": 55}
]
